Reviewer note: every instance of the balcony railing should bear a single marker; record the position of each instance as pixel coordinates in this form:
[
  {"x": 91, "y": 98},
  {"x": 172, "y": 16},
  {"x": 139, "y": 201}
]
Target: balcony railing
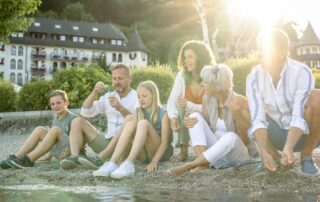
[{"x": 38, "y": 55}]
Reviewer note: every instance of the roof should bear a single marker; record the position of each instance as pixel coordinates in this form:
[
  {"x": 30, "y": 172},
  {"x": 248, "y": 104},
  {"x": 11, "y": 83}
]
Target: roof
[
  {"x": 309, "y": 35},
  {"x": 88, "y": 30},
  {"x": 105, "y": 30},
  {"x": 135, "y": 42}
]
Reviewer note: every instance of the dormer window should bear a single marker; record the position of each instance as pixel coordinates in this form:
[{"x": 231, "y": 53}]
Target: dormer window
[
  {"x": 37, "y": 24},
  {"x": 119, "y": 42},
  {"x": 20, "y": 34},
  {"x": 75, "y": 39},
  {"x": 95, "y": 29},
  {"x": 62, "y": 37},
  {"x": 113, "y": 42},
  {"x": 102, "y": 41},
  {"x": 94, "y": 41},
  {"x": 75, "y": 28},
  {"x": 81, "y": 39},
  {"x": 57, "y": 26}
]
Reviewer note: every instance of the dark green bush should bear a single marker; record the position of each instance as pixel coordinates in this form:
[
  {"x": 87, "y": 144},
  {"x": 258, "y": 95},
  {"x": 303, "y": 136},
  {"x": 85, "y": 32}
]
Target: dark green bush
[
  {"x": 159, "y": 74},
  {"x": 34, "y": 96},
  {"x": 78, "y": 82},
  {"x": 7, "y": 95},
  {"x": 241, "y": 67}
]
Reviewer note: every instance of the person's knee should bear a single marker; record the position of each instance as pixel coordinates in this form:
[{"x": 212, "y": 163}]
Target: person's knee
[
  {"x": 129, "y": 117},
  {"x": 315, "y": 101},
  {"x": 55, "y": 131},
  {"x": 77, "y": 122},
  {"x": 41, "y": 129},
  {"x": 143, "y": 123},
  {"x": 230, "y": 138},
  {"x": 195, "y": 115}
]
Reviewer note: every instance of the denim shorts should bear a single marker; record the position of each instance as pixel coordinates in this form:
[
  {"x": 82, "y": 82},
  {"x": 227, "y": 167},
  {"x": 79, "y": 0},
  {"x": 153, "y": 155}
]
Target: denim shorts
[{"x": 278, "y": 136}]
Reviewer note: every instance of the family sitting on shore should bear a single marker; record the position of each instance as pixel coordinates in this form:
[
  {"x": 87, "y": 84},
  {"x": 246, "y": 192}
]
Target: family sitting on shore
[{"x": 280, "y": 116}]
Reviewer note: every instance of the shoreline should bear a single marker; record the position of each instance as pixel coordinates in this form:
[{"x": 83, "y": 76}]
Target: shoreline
[{"x": 230, "y": 180}]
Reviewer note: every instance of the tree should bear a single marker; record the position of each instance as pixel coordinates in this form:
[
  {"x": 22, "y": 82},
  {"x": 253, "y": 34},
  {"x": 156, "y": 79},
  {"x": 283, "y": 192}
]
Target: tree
[
  {"x": 76, "y": 12},
  {"x": 12, "y": 16}
]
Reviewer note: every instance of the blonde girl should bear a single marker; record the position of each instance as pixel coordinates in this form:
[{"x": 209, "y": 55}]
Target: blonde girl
[{"x": 150, "y": 130}]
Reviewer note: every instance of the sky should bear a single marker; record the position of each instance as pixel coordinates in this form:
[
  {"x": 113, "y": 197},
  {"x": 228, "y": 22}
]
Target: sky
[{"x": 265, "y": 11}]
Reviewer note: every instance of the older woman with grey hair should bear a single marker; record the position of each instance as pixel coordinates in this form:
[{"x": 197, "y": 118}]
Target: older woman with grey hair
[{"x": 219, "y": 134}]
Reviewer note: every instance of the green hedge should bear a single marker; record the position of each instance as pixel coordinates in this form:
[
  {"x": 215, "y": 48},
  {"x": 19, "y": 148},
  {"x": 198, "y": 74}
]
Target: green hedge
[
  {"x": 78, "y": 82},
  {"x": 7, "y": 95},
  {"x": 241, "y": 67},
  {"x": 160, "y": 74},
  {"x": 34, "y": 96}
]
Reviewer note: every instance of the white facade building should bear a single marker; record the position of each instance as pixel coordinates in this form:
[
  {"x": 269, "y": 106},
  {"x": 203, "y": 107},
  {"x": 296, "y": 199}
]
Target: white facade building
[{"x": 50, "y": 45}]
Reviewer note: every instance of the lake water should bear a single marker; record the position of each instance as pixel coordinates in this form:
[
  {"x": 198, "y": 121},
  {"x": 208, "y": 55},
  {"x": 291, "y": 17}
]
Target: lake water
[{"x": 35, "y": 193}]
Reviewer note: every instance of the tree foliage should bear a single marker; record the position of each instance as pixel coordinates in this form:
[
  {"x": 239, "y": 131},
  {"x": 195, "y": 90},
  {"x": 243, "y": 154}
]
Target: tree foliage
[
  {"x": 12, "y": 14},
  {"x": 160, "y": 74},
  {"x": 7, "y": 95},
  {"x": 78, "y": 82},
  {"x": 34, "y": 96}
]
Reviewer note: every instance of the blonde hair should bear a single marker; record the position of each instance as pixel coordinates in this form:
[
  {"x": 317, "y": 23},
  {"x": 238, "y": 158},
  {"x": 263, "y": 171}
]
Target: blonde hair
[
  {"x": 153, "y": 89},
  {"x": 219, "y": 76},
  {"x": 59, "y": 92}
]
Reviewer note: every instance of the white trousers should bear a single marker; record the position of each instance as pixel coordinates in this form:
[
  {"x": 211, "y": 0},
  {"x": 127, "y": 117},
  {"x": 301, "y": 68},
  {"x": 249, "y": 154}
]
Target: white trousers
[{"x": 223, "y": 147}]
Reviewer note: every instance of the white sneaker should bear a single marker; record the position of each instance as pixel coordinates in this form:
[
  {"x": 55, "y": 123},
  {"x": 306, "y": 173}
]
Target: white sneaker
[
  {"x": 106, "y": 169},
  {"x": 126, "y": 169}
]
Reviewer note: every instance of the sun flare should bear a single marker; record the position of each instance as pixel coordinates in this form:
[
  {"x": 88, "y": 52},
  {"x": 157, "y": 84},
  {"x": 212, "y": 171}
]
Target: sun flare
[{"x": 265, "y": 12}]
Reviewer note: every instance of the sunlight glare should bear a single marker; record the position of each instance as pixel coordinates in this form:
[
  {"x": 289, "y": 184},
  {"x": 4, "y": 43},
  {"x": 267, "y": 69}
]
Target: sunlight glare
[{"x": 265, "y": 12}]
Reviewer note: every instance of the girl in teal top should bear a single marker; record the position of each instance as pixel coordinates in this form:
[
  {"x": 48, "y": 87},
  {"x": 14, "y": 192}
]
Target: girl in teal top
[{"x": 150, "y": 134}]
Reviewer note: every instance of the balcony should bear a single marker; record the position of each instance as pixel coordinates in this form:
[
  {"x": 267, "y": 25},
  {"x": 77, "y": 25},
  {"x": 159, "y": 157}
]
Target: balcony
[
  {"x": 95, "y": 58},
  {"x": 38, "y": 55}
]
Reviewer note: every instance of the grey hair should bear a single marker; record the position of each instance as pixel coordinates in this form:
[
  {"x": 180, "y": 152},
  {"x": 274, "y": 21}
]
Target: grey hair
[{"x": 219, "y": 76}]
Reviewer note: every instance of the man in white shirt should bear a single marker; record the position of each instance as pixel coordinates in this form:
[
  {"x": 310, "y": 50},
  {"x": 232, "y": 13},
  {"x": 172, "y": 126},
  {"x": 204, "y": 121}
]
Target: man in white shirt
[
  {"x": 116, "y": 106},
  {"x": 284, "y": 107}
]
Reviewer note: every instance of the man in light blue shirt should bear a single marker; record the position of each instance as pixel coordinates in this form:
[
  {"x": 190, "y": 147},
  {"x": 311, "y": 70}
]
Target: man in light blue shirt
[{"x": 284, "y": 107}]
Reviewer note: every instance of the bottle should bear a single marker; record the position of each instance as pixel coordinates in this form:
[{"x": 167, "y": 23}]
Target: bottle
[{"x": 106, "y": 89}]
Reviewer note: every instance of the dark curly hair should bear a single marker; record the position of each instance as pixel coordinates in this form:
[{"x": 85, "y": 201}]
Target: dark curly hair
[{"x": 204, "y": 57}]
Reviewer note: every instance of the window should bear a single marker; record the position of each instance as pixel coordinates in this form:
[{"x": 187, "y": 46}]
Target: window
[
  {"x": 20, "y": 51},
  {"x": 55, "y": 36},
  {"x": 19, "y": 79},
  {"x": 63, "y": 65},
  {"x": 75, "y": 28},
  {"x": 119, "y": 57},
  {"x": 1, "y": 61},
  {"x": 119, "y": 42},
  {"x": 20, "y": 64},
  {"x": 20, "y": 34},
  {"x": 75, "y": 39},
  {"x": 13, "y": 64},
  {"x": 14, "y": 34},
  {"x": 113, "y": 42},
  {"x": 95, "y": 29},
  {"x": 102, "y": 41},
  {"x": 81, "y": 39},
  {"x": 13, "y": 77},
  {"x": 94, "y": 41},
  {"x": 57, "y": 26},
  {"x": 143, "y": 57},
  {"x": 62, "y": 37},
  {"x": 13, "y": 50},
  {"x": 37, "y": 24},
  {"x": 114, "y": 57}
]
